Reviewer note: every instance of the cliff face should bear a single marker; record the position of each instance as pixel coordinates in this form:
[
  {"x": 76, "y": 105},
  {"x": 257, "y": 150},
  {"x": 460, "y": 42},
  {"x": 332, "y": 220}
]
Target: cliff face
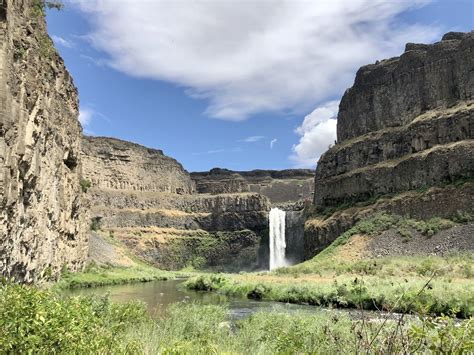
[
  {"x": 395, "y": 91},
  {"x": 111, "y": 163},
  {"x": 407, "y": 124},
  {"x": 145, "y": 200},
  {"x": 42, "y": 215},
  {"x": 278, "y": 185}
]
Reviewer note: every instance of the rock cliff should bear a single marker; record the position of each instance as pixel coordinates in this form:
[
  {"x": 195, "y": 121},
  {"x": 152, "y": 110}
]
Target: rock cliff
[
  {"x": 111, "y": 163},
  {"x": 407, "y": 124},
  {"x": 42, "y": 214},
  {"x": 278, "y": 185}
]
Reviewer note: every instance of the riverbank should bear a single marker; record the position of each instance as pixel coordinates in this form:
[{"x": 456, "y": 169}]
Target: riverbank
[
  {"x": 342, "y": 276},
  {"x": 94, "y": 276},
  {"x": 38, "y": 321}
]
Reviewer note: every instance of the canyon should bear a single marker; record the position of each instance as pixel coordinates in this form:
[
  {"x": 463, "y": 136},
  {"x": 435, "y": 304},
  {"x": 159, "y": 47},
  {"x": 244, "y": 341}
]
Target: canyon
[
  {"x": 173, "y": 219},
  {"x": 404, "y": 146}
]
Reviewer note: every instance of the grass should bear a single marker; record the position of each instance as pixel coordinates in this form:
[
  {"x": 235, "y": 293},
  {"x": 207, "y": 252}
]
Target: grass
[
  {"x": 327, "y": 262},
  {"x": 38, "y": 321},
  {"x": 391, "y": 283},
  {"x": 372, "y": 293},
  {"x": 94, "y": 276}
]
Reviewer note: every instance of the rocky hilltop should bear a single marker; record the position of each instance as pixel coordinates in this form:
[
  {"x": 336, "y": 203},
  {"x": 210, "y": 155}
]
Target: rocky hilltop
[
  {"x": 278, "y": 185},
  {"x": 405, "y": 133},
  {"x": 43, "y": 226},
  {"x": 147, "y": 201}
]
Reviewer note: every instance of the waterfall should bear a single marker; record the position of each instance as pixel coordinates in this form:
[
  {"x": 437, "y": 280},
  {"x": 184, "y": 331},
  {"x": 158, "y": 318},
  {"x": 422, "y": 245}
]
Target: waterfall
[{"x": 277, "y": 238}]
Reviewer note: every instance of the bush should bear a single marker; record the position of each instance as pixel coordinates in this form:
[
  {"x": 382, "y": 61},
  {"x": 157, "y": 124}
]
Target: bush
[
  {"x": 85, "y": 185},
  {"x": 36, "y": 321}
]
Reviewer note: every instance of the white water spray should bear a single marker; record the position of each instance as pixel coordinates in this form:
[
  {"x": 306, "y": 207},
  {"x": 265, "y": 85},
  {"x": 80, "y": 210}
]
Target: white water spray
[{"x": 277, "y": 238}]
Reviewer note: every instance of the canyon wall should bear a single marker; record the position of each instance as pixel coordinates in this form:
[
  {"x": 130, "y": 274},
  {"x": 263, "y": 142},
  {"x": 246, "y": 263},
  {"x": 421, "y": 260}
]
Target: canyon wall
[
  {"x": 278, "y": 185},
  {"x": 119, "y": 165},
  {"x": 43, "y": 226},
  {"x": 407, "y": 124},
  {"x": 147, "y": 201}
]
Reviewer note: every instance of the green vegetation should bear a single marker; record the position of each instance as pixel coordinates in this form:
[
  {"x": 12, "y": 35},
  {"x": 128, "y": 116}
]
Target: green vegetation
[
  {"x": 370, "y": 293},
  {"x": 34, "y": 321},
  {"x": 95, "y": 275},
  {"x": 368, "y": 200},
  {"x": 85, "y": 185},
  {"x": 95, "y": 224},
  {"x": 392, "y": 283},
  {"x": 328, "y": 263}
]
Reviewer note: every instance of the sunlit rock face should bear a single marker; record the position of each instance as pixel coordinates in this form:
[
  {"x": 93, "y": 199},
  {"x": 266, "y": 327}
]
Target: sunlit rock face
[
  {"x": 405, "y": 124},
  {"x": 43, "y": 226}
]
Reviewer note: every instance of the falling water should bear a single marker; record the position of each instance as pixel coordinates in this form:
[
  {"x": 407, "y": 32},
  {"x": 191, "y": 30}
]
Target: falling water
[{"x": 277, "y": 238}]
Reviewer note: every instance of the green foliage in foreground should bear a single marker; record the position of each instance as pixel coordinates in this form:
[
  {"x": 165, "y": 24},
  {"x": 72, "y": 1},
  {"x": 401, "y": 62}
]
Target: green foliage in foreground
[
  {"x": 34, "y": 321},
  {"x": 95, "y": 276},
  {"x": 371, "y": 293}
]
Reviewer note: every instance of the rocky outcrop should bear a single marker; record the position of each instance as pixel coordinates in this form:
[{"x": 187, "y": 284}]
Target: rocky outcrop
[
  {"x": 111, "y": 163},
  {"x": 278, "y": 185},
  {"x": 42, "y": 213},
  {"x": 407, "y": 124},
  {"x": 395, "y": 91}
]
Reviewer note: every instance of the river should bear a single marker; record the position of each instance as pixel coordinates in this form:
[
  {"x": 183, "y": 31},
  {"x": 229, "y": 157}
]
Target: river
[{"x": 159, "y": 295}]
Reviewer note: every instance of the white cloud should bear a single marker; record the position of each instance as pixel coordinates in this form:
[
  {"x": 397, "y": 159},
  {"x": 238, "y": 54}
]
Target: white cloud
[
  {"x": 251, "y": 56},
  {"x": 88, "y": 114},
  {"x": 62, "y": 41},
  {"x": 318, "y": 132},
  {"x": 252, "y": 139},
  {"x": 85, "y": 116},
  {"x": 273, "y": 142}
]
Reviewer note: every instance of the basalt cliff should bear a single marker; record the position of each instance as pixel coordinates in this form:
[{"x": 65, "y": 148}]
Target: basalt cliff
[
  {"x": 43, "y": 218},
  {"x": 404, "y": 142}
]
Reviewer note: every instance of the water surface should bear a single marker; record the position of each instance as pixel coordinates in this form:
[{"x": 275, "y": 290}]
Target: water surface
[{"x": 159, "y": 295}]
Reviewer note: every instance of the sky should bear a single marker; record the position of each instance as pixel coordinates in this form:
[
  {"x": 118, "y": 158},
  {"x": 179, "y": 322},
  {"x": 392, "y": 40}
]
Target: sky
[{"x": 247, "y": 84}]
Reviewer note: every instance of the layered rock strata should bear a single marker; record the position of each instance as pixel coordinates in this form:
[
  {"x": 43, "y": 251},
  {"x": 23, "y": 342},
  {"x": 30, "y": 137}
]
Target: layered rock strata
[
  {"x": 42, "y": 214},
  {"x": 406, "y": 124},
  {"x": 278, "y": 185}
]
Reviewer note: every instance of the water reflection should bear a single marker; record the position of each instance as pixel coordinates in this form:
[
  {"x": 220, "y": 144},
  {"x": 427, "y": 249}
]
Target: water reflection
[{"x": 158, "y": 295}]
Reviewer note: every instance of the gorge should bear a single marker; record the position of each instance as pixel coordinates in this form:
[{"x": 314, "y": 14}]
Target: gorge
[{"x": 384, "y": 224}]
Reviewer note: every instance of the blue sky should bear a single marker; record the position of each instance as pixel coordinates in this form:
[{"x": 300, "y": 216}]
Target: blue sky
[{"x": 214, "y": 83}]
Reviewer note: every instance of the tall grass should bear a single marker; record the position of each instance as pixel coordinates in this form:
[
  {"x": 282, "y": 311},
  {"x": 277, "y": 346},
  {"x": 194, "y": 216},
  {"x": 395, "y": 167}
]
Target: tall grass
[{"x": 370, "y": 293}]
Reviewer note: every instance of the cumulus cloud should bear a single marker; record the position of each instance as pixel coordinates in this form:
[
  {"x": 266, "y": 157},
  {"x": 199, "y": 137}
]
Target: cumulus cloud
[
  {"x": 62, "y": 41},
  {"x": 252, "y": 139},
  {"x": 318, "y": 132},
  {"x": 255, "y": 56},
  {"x": 273, "y": 142}
]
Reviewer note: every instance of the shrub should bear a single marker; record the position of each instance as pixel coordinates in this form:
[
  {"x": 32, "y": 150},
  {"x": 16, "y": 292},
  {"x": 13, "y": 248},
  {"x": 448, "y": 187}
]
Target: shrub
[
  {"x": 36, "y": 321},
  {"x": 85, "y": 185}
]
